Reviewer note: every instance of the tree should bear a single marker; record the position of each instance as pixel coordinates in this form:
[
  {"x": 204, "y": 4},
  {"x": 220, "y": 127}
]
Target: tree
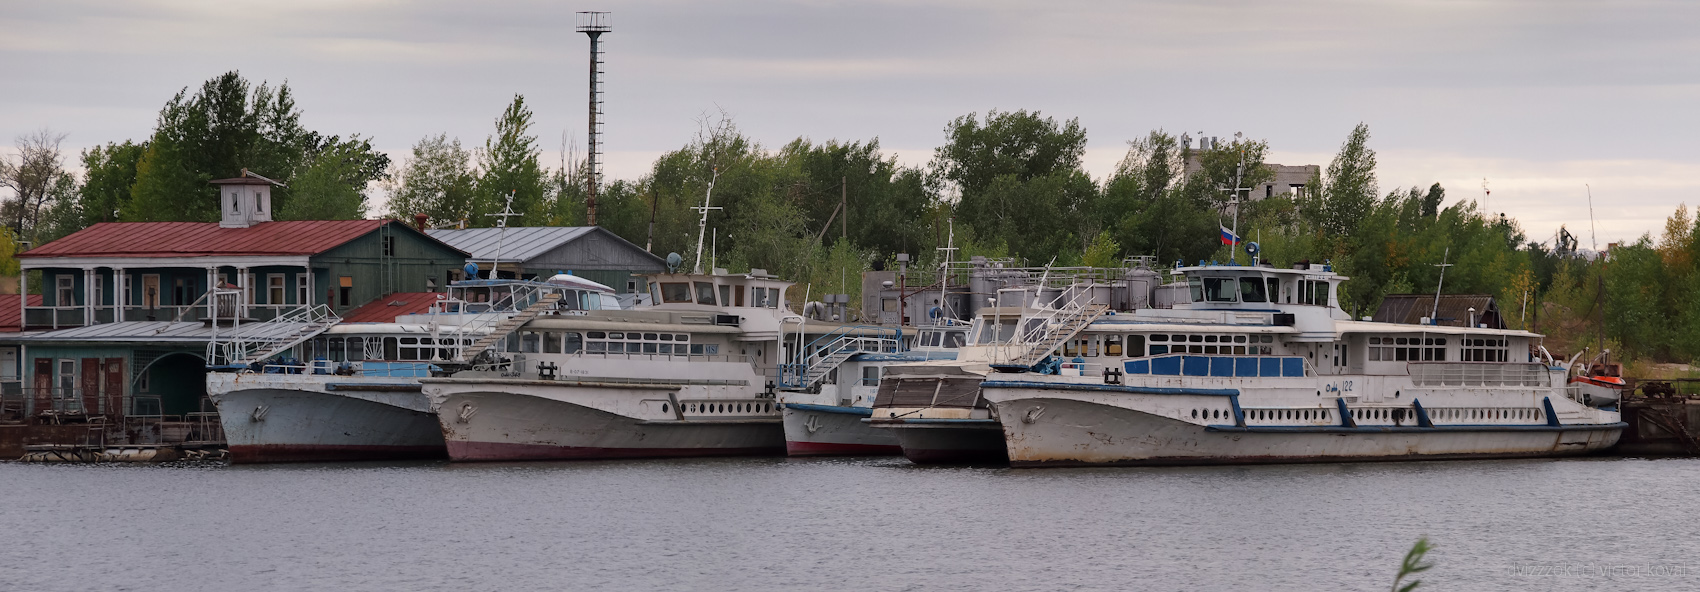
[
  {"x": 437, "y": 181},
  {"x": 1349, "y": 190},
  {"x": 1019, "y": 177},
  {"x": 109, "y": 172},
  {"x": 509, "y": 166},
  {"x": 36, "y": 176},
  {"x": 223, "y": 128},
  {"x": 332, "y": 186}
]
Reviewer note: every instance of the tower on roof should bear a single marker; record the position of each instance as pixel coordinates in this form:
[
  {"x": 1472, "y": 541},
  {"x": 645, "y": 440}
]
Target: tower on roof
[
  {"x": 244, "y": 201},
  {"x": 594, "y": 24}
]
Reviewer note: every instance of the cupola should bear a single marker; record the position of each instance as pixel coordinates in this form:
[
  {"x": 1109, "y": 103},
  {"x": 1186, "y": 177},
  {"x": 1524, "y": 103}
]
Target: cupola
[{"x": 244, "y": 201}]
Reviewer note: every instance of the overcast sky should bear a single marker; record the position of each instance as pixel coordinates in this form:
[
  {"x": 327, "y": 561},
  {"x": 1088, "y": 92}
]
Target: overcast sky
[{"x": 1538, "y": 98}]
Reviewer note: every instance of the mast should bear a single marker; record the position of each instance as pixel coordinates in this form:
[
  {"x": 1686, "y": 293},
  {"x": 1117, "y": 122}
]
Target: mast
[
  {"x": 502, "y": 234},
  {"x": 1443, "y": 265},
  {"x": 702, "y": 226},
  {"x": 594, "y": 24}
]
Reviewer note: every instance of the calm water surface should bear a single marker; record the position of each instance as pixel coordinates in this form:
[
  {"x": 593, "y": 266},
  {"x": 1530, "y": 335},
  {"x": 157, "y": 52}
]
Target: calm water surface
[{"x": 863, "y": 524}]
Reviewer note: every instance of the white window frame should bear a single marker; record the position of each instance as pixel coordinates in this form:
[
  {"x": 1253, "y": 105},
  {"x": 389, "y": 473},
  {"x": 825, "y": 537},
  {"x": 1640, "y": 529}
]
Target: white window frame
[
  {"x": 65, "y": 290},
  {"x": 280, "y": 290},
  {"x": 301, "y": 296}
]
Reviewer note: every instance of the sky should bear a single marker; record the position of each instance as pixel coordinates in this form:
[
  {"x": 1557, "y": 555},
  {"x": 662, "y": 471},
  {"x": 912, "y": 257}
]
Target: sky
[{"x": 1545, "y": 102}]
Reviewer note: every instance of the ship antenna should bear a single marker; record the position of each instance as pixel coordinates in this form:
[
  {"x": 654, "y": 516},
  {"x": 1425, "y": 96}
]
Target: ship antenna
[
  {"x": 501, "y": 234},
  {"x": 702, "y": 226},
  {"x": 1435, "y": 312}
]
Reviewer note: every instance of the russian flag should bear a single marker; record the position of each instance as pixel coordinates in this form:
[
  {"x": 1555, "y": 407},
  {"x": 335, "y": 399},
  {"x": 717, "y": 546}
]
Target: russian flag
[{"x": 1228, "y": 237}]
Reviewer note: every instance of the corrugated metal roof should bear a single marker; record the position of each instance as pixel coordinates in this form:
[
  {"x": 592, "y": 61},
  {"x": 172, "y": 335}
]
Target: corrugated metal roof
[
  {"x": 9, "y": 319},
  {"x": 195, "y": 239},
  {"x": 385, "y": 310},
  {"x": 156, "y": 331},
  {"x": 519, "y": 244},
  {"x": 1454, "y": 309}
]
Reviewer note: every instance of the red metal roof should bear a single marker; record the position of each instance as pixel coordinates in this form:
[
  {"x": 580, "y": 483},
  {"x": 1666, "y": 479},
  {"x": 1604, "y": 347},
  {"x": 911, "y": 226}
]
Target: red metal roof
[
  {"x": 199, "y": 239},
  {"x": 9, "y": 319},
  {"x": 385, "y": 310}
]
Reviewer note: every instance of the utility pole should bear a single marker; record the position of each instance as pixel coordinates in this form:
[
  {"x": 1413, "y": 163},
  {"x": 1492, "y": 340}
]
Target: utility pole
[{"x": 843, "y": 205}]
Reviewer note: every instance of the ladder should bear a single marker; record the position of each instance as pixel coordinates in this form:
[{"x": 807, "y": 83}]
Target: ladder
[
  {"x": 259, "y": 341},
  {"x": 841, "y": 350},
  {"x": 1065, "y": 327},
  {"x": 508, "y": 325}
]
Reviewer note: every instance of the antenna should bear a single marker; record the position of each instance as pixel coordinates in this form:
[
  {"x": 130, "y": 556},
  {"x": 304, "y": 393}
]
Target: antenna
[
  {"x": 501, "y": 235},
  {"x": 702, "y": 227},
  {"x": 1239, "y": 178},
  {"x": 1435, "y": 312},
  {"x": 1485, "y": 195},
  {"x": 594, "y": 24},
  {"x": 1593, "y": 238}
]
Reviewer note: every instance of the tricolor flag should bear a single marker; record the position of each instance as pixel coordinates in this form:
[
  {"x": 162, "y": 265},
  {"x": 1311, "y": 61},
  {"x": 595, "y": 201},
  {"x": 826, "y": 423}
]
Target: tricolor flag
[{"x": 1228, "y": 237}]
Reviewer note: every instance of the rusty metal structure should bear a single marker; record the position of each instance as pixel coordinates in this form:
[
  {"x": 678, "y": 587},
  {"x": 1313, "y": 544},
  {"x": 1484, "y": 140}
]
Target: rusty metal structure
[{"x": 594, "y": 24}]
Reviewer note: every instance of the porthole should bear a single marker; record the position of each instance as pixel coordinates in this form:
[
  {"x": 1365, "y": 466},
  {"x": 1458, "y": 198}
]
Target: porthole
[
  {"x": 663, "y": 407},
  {"x": 1195, "y": 414}
]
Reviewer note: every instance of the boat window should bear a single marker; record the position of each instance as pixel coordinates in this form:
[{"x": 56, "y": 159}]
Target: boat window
[
  {"x": 705, "y": 293},
  {"x": 572, "y": 343},
  {"x": 1136, "y": 346},
  {"x": 1112, "y": 345},
  {"x": 1220, "y": 290},
  {"x": 681, "y": 337},
  {"x": 1274, "y": 289},
  {"x": 773, "y": 297},
  {"x": 1195, "y": 338},
  {"x": 870, "y": 376},
  {"x": 1251, "y": 289},
  {"x": 391, "y": 351},
  {"x": 737, "y": 295},
  {"x": 551, "y": 343},
  {"x": 1159, "y": 337},
  {"x": 616, "y": 335},
  {"x": 1197, "y": 286},
  {"x": 675, "y": 292},
  {"x": 726, "y": 295},
  {"x": 955, "y": 339},
  {"x": 1239, "y": 339},
  {"x": 1157, "y": 350},
  {"x": 1210, "y": 339}
]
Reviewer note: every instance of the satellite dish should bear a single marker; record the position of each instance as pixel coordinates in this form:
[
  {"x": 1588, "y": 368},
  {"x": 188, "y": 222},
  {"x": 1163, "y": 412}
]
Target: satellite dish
[
  {"x": 1251, "y": 248},
  {"x": 674, "y": 261}
]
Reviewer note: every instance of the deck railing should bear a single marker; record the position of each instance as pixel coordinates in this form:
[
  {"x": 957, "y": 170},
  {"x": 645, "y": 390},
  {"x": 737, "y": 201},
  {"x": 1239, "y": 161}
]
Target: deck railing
[{"x": 1478, "y": 374}]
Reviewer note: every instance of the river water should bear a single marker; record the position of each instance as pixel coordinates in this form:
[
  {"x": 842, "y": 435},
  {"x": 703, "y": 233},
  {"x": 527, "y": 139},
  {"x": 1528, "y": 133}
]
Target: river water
[{"x": 848, "y": 524}]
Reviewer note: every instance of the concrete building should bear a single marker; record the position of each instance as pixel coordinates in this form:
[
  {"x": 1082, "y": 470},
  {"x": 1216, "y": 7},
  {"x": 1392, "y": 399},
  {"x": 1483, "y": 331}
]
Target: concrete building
[{"x": 1289, "y": 180}]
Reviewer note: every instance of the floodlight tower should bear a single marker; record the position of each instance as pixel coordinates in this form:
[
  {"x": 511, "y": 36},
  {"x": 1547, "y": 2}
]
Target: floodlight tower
[{"x": 594, "y": 24}]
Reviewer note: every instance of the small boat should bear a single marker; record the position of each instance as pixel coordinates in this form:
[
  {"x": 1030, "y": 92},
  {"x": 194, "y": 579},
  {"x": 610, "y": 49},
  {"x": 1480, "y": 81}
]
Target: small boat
[{"x": 1601, "y": 384}]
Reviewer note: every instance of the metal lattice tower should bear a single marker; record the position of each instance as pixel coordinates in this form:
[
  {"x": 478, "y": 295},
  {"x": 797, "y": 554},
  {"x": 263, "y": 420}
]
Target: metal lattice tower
[{"x": 594, "y": 24}]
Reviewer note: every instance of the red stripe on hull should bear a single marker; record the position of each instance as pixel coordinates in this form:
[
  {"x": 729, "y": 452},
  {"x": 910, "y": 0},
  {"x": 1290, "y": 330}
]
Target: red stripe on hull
[
  {"x": 271, "y": 453},
  {"x": 501, "y": 451},
  {"x": 834, "y": 449}
]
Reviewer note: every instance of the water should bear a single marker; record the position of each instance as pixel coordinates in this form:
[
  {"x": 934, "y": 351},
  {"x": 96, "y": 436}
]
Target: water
[{"x": 838, "y": 524}]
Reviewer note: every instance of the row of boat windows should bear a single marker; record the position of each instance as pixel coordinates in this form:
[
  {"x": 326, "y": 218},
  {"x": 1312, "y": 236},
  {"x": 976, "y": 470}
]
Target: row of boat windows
[
  {"x": 1164, "y": 343},
  {"x": 1257, "y": 289},
  {"x": 705, "y": 408},
  {"x": 596, "y": 342},
  {"x": 346, "y": 349},
  {"x": 1381, "y": 414},
  {"x": 707, "y": 293}
]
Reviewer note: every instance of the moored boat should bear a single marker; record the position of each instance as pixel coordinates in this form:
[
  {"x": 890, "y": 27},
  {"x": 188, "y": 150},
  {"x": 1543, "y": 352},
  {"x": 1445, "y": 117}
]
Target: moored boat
[{"x": 1262, "y": 366}]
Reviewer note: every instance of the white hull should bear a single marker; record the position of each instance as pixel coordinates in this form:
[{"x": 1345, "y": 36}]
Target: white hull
[
  {"x": 822, "y": 430},
  {"x": 317, "y": 417},
  {"x": 1058, "y": 427},
  {"x": 485, "y": 419}
]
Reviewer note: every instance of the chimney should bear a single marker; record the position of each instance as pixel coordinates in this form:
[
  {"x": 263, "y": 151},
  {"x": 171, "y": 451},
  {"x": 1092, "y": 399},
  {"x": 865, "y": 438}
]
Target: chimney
[{"x": 419, "y": 221}]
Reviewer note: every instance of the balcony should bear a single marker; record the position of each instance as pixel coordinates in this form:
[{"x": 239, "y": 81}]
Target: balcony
[{"x": 66, "y": 317}]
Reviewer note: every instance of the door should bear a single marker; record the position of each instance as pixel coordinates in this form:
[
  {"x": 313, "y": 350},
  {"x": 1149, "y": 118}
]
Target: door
[
  {"x": 43, "y": 384},
  {"x": 150, "y": 291},
  {"x": 112, "y": 385},
  {"x": 89, "y": 383}
]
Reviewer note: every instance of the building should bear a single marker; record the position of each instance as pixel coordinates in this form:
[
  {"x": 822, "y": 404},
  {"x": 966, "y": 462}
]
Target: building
[
  {"x": 1450, "y": 310},
  {"x": 1289, "y": 180},
  {"x": 121, "y": 326},
  {"x": 591, "y": 252}
]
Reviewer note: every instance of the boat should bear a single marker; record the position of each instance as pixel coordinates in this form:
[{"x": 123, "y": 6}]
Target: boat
[
  {"x": 1600, "y": 383},
  {"x": 691, "y": 373},
  {"x": 351, "y": 391},
  {"x": 1260, "y": 364},
  {"x": 824, "y": 413}
]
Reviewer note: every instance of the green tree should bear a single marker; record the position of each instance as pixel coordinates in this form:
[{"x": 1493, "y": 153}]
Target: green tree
[
  {"x": 223, "y": 128},
  {"x": 109, "y": 173},
  {"x": 509, "y": 166},
  {"x": 332, "y": 186},
  {"x": 1019, "y": 176},
  {"x": 437, "y": 181},
  {"x": 1349, "y": 189}
]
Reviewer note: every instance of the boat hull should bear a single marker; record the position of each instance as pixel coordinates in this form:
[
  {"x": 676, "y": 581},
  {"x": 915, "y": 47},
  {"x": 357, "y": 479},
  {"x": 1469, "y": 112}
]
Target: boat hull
[
  {"x": 1041, "y": 431},
  {"x": 482, "y": 425},
  {"x": 275, "y": 423},
  {"x": 949, "y": 441},
  {"x": 821, "y": 430}
]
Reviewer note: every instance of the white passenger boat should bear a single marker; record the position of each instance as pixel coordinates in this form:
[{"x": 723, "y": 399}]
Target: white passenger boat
[
  {"x": 826, "y": 417},
  {"x": 1263, "y": 366},
  {"x": 350, "y": 391},
  {"x": 692, "y": 374}
]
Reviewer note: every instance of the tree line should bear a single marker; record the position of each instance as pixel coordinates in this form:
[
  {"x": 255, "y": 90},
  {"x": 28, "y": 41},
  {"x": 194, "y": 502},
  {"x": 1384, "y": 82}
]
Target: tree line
[{"x": 1002, "y": 184}]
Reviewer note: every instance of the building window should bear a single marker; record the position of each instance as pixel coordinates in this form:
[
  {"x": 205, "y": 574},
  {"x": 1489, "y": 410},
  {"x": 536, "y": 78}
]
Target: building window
[
  {"x": 67, "y": 377},
  {"x": 274, "y": 288},
  {"x": 345, "y": 290},
  {"x": 124, "y": 283},
  {"x": 301, "y": 296},
  {"x": 179, "y": 291},
  {"x": 66, "y": 292},
  {"x": 389, "y": 246},
  {"x": 248, "y": 288},
  {"x": 99, "y": 296}
]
